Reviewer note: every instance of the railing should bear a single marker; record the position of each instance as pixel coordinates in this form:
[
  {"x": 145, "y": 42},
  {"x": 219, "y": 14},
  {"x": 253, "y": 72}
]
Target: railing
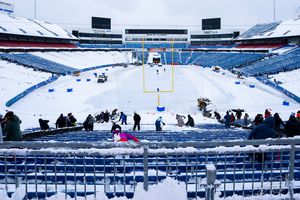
[
  {"x": 82, "y": 169},
  {"x": 30, "y": 90}
]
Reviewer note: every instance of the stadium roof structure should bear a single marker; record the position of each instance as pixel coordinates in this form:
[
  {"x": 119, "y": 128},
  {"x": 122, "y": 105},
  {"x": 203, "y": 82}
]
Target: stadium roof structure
[{"x": 282, "y": 29}]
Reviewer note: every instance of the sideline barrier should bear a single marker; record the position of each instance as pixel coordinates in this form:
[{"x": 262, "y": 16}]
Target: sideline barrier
[
  {"x": 29, "y": 90},
  {"x": 279, "y": 88}
]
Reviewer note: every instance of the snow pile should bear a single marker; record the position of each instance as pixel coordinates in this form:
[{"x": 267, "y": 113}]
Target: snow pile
[
  {"x": 168, "y": 189},
  {"x": 290, "y": 81}
]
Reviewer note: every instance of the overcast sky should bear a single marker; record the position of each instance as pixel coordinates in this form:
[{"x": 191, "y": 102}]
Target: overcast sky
[{"x": 73, "y": 14}]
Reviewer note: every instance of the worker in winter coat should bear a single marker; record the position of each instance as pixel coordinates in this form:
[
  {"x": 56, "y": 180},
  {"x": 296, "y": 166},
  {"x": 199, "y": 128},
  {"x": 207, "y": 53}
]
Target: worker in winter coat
[
  {"x": 44, "y": 124},
  {"x": 137, "y": 121},
  {"x": 292, "y": 127},
  {"x": 158, "y": 124},
  {"x": 2, "y": 121},
  {"x": 264, "y": 130},
  {"x": 12, "y": 127},
  {"x": 88, "y": 124},
  {"x": 123, "y": 118},
  {"x": 180, "y": 121},
  {"x": 227, "y": 120},
  {"x": 61, "y": 121},
  {"x": 190, "y": 121}
]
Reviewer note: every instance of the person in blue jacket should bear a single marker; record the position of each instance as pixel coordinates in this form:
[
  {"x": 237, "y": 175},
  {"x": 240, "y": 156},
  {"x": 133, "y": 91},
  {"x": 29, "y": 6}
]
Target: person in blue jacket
[
  {"x": 158, "y": 124},
  {"x": 123, "y": 118},
  {"x": 263, "y": 131}
]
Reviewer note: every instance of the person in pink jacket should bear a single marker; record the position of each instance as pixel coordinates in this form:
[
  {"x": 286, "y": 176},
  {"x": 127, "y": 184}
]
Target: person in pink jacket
[{"x": 123, "y": 137}]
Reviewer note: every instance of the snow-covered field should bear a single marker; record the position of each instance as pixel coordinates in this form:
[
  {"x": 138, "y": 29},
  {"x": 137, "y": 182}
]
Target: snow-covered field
[
  {"x": 290, "y": 81},
  {"x": 124, "y": 91},
  {"x": 86, "y": 59}
]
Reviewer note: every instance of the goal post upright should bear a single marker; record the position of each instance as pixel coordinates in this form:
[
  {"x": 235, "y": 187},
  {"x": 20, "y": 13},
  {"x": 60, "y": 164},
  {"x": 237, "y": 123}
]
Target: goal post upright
[{"x": 172, "y": 65}]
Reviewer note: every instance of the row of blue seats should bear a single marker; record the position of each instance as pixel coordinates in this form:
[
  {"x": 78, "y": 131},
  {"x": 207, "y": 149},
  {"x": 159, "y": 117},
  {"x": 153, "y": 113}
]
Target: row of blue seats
[
  {"x": 36, "y": 62},
  {"x": 285, "y": 62},
  {"x": 208, "y": 59}
]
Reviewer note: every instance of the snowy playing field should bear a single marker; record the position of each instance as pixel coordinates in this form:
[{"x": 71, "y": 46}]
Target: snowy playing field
[{"x": 124, "y": 90}]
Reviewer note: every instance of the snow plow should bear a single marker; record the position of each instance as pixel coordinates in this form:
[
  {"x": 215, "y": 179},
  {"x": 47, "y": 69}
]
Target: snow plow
[{"x": 102, "y": 78}]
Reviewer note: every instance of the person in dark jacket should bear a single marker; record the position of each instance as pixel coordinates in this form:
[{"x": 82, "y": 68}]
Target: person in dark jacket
[
  {"x": 263, "y": 131},
  {"x": 227, "y": 120},
  {"x": 238, "y": 113},
  {"x": 88, "y": 124},
  {"x": 190, "y": 121},
  {"x": 12, "y": 127},
  {"x": 217, "y": 116},
  {"x": 292, "y": 127},
  {"x": 71, "y": 120},
  {"x": 2, "y": 122},
  {"x": 298, "y": 116},
  {"x": 137, "y": 121},
  {"x": 61, "y": 121},
  {"x": 258, "y": 119},
  {"x": 158, "y": 124},
  {"x": 106, "y": 116},
  {"x": 123, "y": 118},
  {"x": 278, "y": 124},
  {"x": 267, "y": 113},
  {"x": 44, "y": 124},
  {"x": 115, "y": 126}
]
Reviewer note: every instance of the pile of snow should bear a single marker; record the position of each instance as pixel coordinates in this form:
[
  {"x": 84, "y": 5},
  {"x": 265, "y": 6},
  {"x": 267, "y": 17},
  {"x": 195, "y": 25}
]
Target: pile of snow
[
  {"x": 81, "y": 60},
  {"x": 290, "y": 81},
  {"x": 168, "y": 189}
]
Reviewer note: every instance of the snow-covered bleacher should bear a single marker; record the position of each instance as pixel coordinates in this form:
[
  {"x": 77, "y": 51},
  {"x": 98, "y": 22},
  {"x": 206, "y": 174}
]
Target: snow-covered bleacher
[
  {"x": 284, "y": 62},
  {"x": 258, "y": 30},
  {"x": 10, "y": 24},
  {"x": 36, "y": 62}
]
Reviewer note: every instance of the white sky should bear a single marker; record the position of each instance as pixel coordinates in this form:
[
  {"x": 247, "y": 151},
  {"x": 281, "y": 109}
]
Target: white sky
[{"x": 72, "y": 14}]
